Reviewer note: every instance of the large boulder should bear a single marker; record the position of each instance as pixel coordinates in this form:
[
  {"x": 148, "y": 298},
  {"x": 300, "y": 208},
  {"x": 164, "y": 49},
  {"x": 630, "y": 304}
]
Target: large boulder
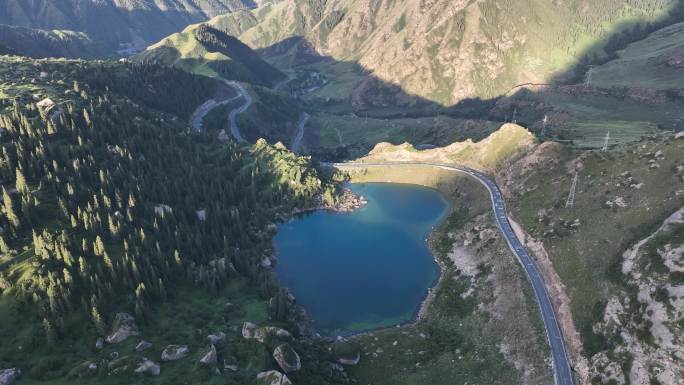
[
  {"x": 346, "y": 352},
  {"x": 248, "y": 330},
  {"x": 9, "y": 376},
  {"x": 267, "y": 334},
  {"x": 124, "y": 326},
  {"x": 287, "y": 358},
  {"x": 217, "y": 339},
  {"x": 174, "y": 352},
  {"x": 272, "y": 377},
  {"x": 210, "y": 358},
  {"x": 148, "y": 367}
]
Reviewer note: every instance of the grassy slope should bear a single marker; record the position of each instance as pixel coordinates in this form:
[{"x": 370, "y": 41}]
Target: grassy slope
[
  {"x": 508, "y": 142},
  {"x": 186, "y": 51},
  {"x": 187, "y": 318},
  {"x": 585, "y": 257},
  {"x": 644, "y": 63}
]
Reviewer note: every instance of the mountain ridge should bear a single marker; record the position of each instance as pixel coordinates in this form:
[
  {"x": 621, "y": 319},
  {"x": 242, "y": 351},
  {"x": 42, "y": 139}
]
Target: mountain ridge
[{"x": 116, "y": 24}]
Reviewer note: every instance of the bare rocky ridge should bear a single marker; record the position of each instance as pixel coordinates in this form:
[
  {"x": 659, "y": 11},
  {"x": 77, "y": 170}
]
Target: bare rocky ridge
[
  {"x": 657, "y": 351},
  {"x": 441, "y": 50}
]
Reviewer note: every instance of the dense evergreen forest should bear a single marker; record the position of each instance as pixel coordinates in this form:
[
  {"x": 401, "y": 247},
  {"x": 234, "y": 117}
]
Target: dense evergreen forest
[{"x": 110, "y": 204}]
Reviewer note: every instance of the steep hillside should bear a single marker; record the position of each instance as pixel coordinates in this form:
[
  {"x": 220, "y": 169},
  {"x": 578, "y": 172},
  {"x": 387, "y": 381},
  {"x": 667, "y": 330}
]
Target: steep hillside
[
  {"x": 655, "y": 62},
  {"x": 444, "y": 51},
  {"x": 133, "y": 251},
  {"x": 500, "y": 147},
  {"x": 116, "y": 24},
  {"x": 37, "y": 43},
  {"x": 619, "y": 269},
  {"x": 204, "y": 50}
]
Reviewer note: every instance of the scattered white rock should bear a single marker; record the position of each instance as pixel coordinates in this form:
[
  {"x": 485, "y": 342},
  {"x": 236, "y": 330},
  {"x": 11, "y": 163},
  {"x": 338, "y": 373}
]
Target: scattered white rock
[
  {"x": 9, "y": 376},
  {"x": 201, "y": 215},
  {"x": 272, "y": 377},
  {"x": 248, "y": 330},
  {"x": 142, "y": 345},
  {"x": 174, "y": 352},
  {"x": 211, "y": 357},
  {"x": 217, "y": 339},
  {"x": 287, "y": 358},
  {"x": 124, "y": 326},
  {"x": 148, "y": 367},
  {"x": 223, "y": 136}
]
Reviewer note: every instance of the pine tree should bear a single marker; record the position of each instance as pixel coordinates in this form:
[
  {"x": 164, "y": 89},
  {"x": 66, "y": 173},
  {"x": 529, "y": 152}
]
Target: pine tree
[
  {"x": 21, "y": 185},
  {"x": 8, "y": 209}
]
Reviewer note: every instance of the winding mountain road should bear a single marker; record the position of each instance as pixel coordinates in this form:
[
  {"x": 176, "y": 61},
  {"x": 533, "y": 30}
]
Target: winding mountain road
[
  {"x": 297, "y": 139},
  {"x": 232, "y": 117},
  {"x": 561, "y": 363},
  {"x": 206, "y": 107}
]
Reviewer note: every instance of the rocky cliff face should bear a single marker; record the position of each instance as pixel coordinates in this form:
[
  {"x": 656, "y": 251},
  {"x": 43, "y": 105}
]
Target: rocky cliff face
[
  {"x": 118, "y": 24},
  {"x": 445, "y": 50}
]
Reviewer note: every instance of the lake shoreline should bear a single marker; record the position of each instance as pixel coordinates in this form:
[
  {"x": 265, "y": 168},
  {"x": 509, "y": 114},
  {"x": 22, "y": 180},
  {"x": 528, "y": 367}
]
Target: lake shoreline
[{"x": 421, "y": 310}]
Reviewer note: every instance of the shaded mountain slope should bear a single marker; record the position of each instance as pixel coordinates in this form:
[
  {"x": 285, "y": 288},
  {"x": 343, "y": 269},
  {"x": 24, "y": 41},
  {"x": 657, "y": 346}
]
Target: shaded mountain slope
[
  {"x": 207, "y": 51},
  {"x": 116, "y": 22},
  {"x": 38, "y": 43},
  {"x": 443, "y": 50}
]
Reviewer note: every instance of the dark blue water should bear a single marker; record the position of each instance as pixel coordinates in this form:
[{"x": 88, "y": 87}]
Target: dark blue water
[{"x": 367, "y": 269}]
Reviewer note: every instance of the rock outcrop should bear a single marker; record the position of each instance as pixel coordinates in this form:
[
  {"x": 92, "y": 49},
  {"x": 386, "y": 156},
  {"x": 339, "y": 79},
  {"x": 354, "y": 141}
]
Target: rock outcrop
[
  {"x": 248, "y": 330},
  {"x": 210, "y": 357},
  {"x": 148, "y": 367},
  {"x": 268, "y": 333},
  {"x": 174, "y": 352},
  {"x": 9, "y": 376},
  {"x": 272, "y": 377},
  {"x": 346, "y": 352},
  {"x": 217, "y": 339},
  {"x": 142, "y": 345},
  {"x": 124, "y": 327},
  {"x": 287, "y": 358}
]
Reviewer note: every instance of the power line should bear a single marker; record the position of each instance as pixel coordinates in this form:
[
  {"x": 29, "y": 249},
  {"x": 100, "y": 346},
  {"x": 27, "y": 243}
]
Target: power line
[
  {"x": 571, "y": 197},
  {"x": 605, "y": 141}
]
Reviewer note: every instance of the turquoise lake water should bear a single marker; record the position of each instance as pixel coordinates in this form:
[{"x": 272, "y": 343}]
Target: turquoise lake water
[{"x": 367, "y": 269}]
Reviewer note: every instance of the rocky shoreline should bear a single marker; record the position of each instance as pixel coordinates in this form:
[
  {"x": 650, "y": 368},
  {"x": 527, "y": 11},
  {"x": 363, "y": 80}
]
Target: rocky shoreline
[{"x": 347, "y": 202}]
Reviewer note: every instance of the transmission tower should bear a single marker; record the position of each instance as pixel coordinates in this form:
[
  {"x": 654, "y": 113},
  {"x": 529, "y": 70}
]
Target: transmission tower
[
  {"x": 515, "y": 112},
  {"x": 571, "y": 197},
  {"x": 605, "y": 142}
]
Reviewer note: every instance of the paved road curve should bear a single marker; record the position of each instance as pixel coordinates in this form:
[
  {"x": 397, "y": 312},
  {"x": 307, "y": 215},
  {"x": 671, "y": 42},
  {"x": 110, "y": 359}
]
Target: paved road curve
[
  {"x": 297, "y": 140},
  {"x": 561, "y": 363},
  {"x": 232, "y": 117},
  {"x": 206, "y": 107}
]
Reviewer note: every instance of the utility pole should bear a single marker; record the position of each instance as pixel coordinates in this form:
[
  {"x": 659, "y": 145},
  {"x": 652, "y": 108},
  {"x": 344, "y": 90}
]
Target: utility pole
[
  {"x": 605, "y": 142},
  {"x": 571, "y": 197},
  {"x": 515, "y": 112}
]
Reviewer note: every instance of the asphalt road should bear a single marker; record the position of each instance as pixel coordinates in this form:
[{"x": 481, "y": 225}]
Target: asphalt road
[
  {"x": 204, "y": 109},
  {"x": 561, "y": 363},
  {"x": 297, "y": 140},
  {"x": 232, "y": 117}
]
